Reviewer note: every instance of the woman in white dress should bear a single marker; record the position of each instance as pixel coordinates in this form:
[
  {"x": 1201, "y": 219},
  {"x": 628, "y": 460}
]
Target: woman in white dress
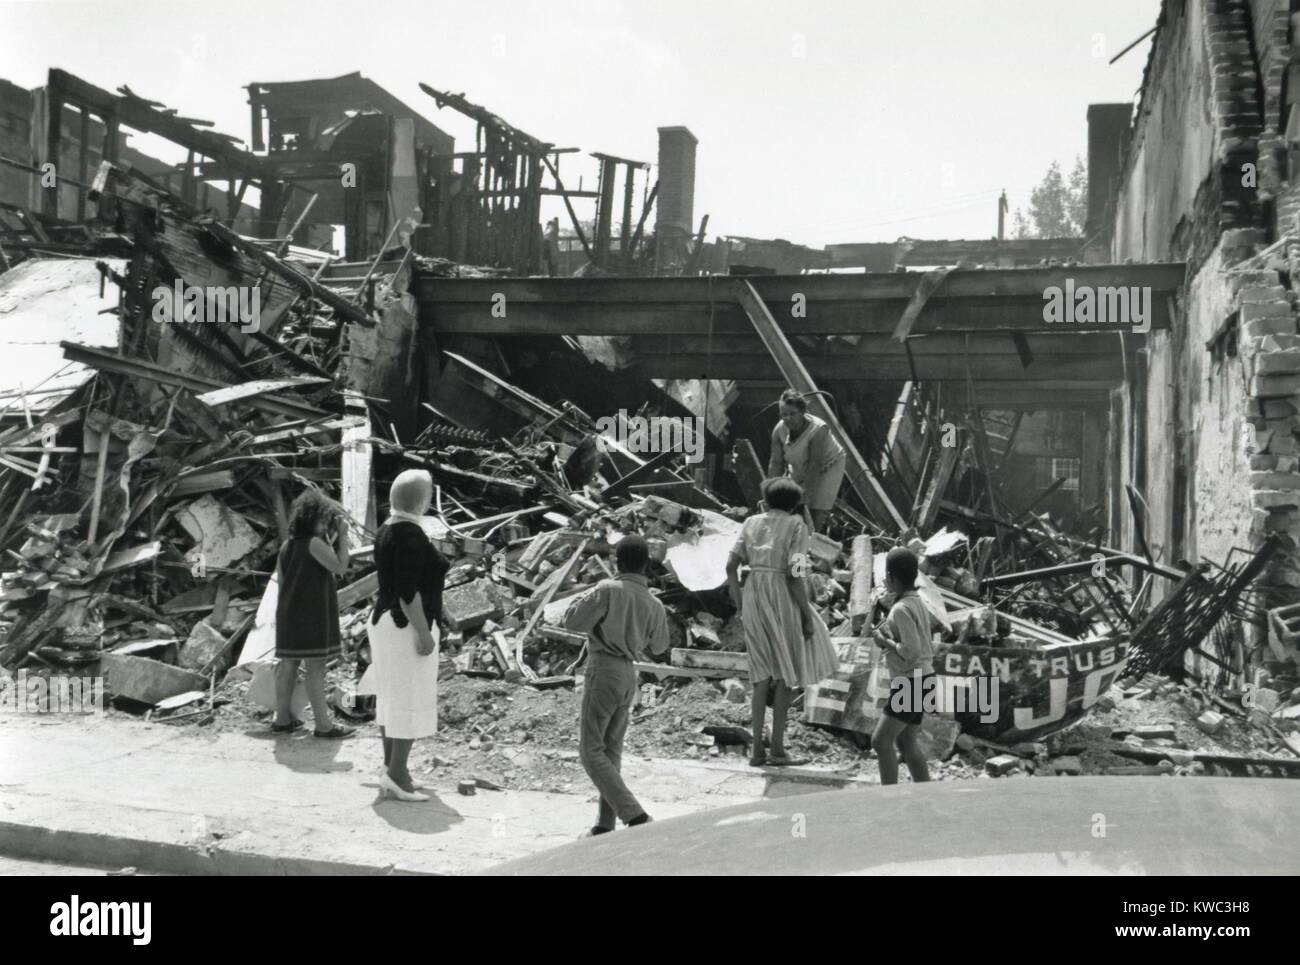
[{"x": 403, "y": 631}]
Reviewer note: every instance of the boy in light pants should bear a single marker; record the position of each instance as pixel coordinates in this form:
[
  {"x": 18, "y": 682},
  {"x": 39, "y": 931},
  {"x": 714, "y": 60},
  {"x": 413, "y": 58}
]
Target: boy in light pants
[{"x": 621, "y": 618}]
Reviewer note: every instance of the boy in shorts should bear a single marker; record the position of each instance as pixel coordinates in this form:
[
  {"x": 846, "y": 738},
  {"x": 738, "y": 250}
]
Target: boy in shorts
[{"x": 909, "y": 655}]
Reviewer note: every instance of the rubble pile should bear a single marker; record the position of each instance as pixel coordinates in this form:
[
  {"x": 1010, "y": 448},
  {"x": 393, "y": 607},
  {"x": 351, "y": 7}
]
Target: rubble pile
[{"x": 142, "y": 509}]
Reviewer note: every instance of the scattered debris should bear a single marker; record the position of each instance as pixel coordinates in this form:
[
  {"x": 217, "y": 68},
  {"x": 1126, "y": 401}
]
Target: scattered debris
[{"x": 145, "y": 492}]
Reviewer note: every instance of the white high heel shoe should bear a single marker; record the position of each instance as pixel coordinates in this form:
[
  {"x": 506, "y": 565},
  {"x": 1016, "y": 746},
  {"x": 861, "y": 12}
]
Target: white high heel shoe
[{"x": 388, "y": 786}]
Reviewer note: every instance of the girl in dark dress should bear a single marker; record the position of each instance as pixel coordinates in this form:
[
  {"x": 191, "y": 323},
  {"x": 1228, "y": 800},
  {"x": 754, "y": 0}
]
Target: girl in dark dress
[
  {"x": 307, "y": 609},
  {"x": 403, "y": 631}
]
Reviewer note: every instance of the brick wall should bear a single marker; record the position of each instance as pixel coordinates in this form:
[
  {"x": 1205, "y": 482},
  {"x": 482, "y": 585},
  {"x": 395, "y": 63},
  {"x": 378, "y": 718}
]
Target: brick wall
[
  {"x": 1270, "y": 352},
  {"x": 675, "y": 204},
  {"x": 1219, "y": 439}
]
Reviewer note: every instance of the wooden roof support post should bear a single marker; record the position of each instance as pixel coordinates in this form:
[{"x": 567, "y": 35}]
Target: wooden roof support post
[{"x": 862, "y": 480}]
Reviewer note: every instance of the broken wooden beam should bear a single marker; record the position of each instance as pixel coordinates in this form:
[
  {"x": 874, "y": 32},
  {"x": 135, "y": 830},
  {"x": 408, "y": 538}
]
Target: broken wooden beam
[
  {"x": 667, "y": 670},
  {"x": 735, "y": 664},
  {"x": 341, "y": 306},
  {"x": 358, "y": 486},
  {"x": 935, "y": 487},
  {"x": 860, "y": 588},
  {"x": 1290, "y": 765},
  {"x": 555, "y": 581},
  {"x": 107, "y": 361},
  {"x": 248, "y": 390}
]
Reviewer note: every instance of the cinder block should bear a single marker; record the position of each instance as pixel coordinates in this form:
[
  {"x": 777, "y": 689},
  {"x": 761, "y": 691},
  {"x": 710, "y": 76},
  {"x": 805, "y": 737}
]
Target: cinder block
[
  {"x": 1280, "y": 443},
  {"x": 1002, "y": 764},
  {"x": 470, "y": 605},
  {"x": 1211, "y": 721}
]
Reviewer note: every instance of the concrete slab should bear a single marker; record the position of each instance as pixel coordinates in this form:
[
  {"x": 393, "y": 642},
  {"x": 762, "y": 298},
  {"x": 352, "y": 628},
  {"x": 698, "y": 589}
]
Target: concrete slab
[{"x": 184, "y": 800}]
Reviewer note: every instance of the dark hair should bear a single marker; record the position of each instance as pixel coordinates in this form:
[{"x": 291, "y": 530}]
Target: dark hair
[
  {"x": 782, "y": 493},
  {"x": 632, "y": 553},
  {"x": 795, "y": 398},
  {"x": 901, "y": 564},
  {"x": 306, "y": 512}
]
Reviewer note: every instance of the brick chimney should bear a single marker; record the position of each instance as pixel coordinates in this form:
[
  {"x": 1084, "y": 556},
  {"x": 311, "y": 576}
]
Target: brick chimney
[
  {"x": 1108, "y": 133},
  {"x": 675, "y": 215}
]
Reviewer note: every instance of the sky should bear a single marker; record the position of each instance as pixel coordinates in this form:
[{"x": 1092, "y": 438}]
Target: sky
[{"x": 819, "y": 121}]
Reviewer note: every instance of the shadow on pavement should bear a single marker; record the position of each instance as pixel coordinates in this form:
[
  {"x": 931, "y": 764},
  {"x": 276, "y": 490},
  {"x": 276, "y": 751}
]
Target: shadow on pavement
[
  {"x": 308, "y": 755},
  {"x": 423, "y": 817}
]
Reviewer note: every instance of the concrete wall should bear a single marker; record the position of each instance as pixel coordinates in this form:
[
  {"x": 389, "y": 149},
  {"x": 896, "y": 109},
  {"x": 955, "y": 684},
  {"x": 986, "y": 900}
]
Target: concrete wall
[
  {"x": 1171, "y": 154},
  {"x": 1213, "y": 408}
]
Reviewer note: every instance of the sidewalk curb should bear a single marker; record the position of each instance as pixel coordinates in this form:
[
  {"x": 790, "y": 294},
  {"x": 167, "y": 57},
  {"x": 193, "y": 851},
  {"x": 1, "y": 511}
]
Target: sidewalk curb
[{"x": 108, "y": 851}]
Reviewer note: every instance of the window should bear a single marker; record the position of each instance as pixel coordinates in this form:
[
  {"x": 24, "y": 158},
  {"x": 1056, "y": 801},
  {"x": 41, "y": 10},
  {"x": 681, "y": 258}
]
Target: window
[{"x": 1068, "y": 468}]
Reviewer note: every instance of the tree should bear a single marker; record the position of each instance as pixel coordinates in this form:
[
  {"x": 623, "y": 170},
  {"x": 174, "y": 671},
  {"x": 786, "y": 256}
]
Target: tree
[{"x": 1057, "y": 208}]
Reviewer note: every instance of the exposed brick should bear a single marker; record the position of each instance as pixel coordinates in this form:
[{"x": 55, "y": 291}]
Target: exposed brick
[
  {"x": 1275, "y": 343},
  {"x": 1244, "y": 238},
  {"x": 1274, "y": 385},
  {"x": 1269, "y": 499},
  {"x": 1263, "y": 327},
  {"x": 1274, "y": 480},
  {"x": 1273, "y": 363},
  {"x": 1249, "y": 279},
  {"x": 1263, "y": 521},
  {"x": 1263, "y": 294},
  {"x": 1282, "y": 444},
  {"x": 1279, "y": 408}
]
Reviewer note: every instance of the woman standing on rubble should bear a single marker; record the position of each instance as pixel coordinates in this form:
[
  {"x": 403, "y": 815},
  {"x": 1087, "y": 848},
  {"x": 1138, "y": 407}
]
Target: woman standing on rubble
[
  {"x": 307, "y": 609},
  {"x": 404, "y": 631},
  {"x": 788, "y": 644},
  {"x": 804, "y": 446}
]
